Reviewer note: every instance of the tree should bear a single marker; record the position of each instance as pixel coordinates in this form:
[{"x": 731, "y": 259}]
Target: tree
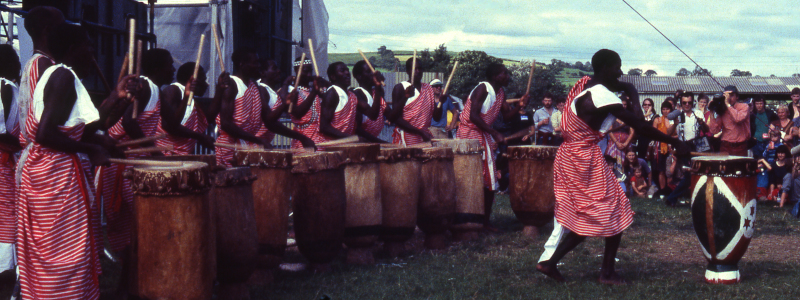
[
  {"x": 737, "y": 72},
  {"x": 441, "y": 59},
  {"x": 386, "y": 59},
  {"x": 635, "y": 72},
  {"x": 683, "y": 72},
  {"x": 579, "y": 65},
  {"x": 471, "y": 70},
  {"x": 589, "y": 66},
  {"x": 544, "y": 80},
  {"x": 650, "y": 73},
  {"x": 698, "y": 71},
  {"x": 425, "y": 61}
]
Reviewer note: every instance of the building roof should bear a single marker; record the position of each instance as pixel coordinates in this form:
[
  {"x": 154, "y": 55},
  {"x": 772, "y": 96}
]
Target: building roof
[{"x": 704, "y": 84}]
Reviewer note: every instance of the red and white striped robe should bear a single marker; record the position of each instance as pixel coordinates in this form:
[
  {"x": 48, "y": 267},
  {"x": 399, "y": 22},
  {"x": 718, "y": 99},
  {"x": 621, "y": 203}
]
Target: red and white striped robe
[
  {"x": 57, "y": 249},
  {"x": 193, "y": 119},
  {"x": 274, "y": 102},
  {"x": 373, "y": 127},
  {"x": 418, "y": 112},
  {"x": 468, "y": 130},
  {"x": 589, "y": 199},
  {"x": 344, "y": 119},
  {"x": 308, "y": 125},
  {"x": 246, "y": 115},
  {"x": 30, "y": 77},
  {"x": 113, "y": 187},
  {"x": 8, "y": 223}
]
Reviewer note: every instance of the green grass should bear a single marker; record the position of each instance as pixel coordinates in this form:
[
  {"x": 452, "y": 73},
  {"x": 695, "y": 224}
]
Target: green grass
[{"x": 659, "y": 257}]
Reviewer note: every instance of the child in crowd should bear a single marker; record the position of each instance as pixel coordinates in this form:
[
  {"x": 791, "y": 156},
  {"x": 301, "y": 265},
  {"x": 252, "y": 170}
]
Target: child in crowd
[
  {"x": 774, "y": 143},
  {"x": 638, "y": 183},
  {"x": 763, "y": 180},
  {"x": 779, "y": 169},
  {"x": 618, "y": 171}
]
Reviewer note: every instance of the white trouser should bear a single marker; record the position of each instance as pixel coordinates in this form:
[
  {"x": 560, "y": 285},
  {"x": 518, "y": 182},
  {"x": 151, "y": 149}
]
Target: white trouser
[{"x": 559, "y": 232}]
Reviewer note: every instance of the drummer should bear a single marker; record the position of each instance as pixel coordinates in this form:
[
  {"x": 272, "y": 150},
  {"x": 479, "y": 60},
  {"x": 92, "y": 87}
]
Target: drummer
[
  {"x": 341, "y": 112},
  {"x": 484, "y": 105},
  {"x": 273, "y": 105},
  {"x": 305, "y": 99},
  {"x": 370, "y": 95},
  {"x": 413, "y": 108}
]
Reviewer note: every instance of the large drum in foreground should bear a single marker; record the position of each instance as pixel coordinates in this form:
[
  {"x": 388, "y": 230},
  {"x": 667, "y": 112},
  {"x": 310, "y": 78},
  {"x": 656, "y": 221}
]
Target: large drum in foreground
[
  {"x": 272, "y": 191},
  {"x": 530, "y": 186},
  {"x": 172, "y": 222},
  {"x": 468, "y": 165},
  {"x": 319, "y": 206},
  {"x": 364, "y": 212},
  {"x": 723, "y": 212},
  {"x": 400, "y": 182},
  {"x": 437, "y": 198},
  {"x": 236, "y": 238}
]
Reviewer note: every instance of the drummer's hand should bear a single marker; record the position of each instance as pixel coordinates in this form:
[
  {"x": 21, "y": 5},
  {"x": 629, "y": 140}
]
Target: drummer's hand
[
  {"x": 498, "y": 137},
  {"x": 426, "y": 135},
  {"x": 308, "y": 143},
  {"x": 98, "y": 156}
]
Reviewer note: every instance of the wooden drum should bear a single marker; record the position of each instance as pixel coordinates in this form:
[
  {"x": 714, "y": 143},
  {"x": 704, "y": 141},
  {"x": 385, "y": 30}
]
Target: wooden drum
[
  {"x": 400, "y": 184},
  {"x": 468, "y": 165},
  {"x": 364, "y": 212},
  {"x": 236, "y": 237},
  {"x": 319, "y": 206},
  {"x": 172, "y": 240},
  {"x": 437, "y": 199},
  {"x": 272, "y": 191},
  {"x": 723, "y": 212},
  {"x": 531, "y": 185}
]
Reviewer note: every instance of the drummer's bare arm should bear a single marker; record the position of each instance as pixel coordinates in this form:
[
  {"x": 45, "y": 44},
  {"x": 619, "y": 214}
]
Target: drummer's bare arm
[
  {"x": 112, "y": 108},
  {"x": 363, "y": 133},
  {"x": 298, "y": 111},
  {"x": 437, "y": 109},
  {"x": 639, "y": 125},
  {"x": 172, "y": 116},
  {"x": 8, "y": 139},
  {"x": 363, "y": 106},
  {"x": 475, "y": 113},
  {"x": 328, "y": 109},
  {"x": 226, "y": 122},
  {"x": 400, "y": 96}
]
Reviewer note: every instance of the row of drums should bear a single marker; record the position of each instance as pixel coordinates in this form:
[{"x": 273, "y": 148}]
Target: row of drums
[{"x": 195, "y": 222}]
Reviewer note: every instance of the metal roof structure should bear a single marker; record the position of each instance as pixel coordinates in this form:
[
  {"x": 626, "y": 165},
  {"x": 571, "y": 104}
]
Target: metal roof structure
[{"x": 704, "y": 84}]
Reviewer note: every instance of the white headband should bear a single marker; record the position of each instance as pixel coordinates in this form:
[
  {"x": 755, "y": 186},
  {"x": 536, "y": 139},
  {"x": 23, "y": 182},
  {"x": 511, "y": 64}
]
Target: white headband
[{"x": 305, "y": 62}]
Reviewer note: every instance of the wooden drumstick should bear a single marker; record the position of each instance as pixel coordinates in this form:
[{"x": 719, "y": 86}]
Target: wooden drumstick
[
  {"x": 518, "y": 134},
  {"x": 297, "y": 79},
  {"x": 131, "y": 45},
  {"x": 141, "y": 162},
  {"x": 124, "y": 68},
  {"x": 513, "y": 100},
  {"x": 708, "y": 153},
  {"x": 138, "y": 72},
  {"x": 413, "y": 67},
  {"x": 349, "y": 139},
  {"x": 236, "y": 147},
  {"x": 369, "y": 64},
  {"x": 313, "y": 57},
  {"x": 196, "y": 68},
  {"x": 141, "y": 140},
  {"x": 530, "y": 77},
  {"x": 148, "y": 150},
  {"x": 219, "y": 51},
  {"x": 447, "y": 85}
]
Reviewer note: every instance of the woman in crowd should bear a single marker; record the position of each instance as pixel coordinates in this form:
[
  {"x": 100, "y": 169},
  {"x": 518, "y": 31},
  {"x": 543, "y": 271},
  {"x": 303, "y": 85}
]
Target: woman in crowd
[
  {"x": 650, "y": 116},
  {"x": 661, "y": 150},
  {"x": 784, "y": 125},
  {"x": 620, "y": 136},
  {"x": 702, "y": 108},
  {"x": 631, "y": 164}
]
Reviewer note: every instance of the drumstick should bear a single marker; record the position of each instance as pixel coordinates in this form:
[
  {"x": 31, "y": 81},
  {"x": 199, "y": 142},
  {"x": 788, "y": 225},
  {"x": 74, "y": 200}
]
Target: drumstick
[
  {"x": 124, "y": 68},
  {"x": 148, "y": 150},
  {"x": 530, "y": 77},
  {"x": 141, "y": 140},
  {"x": 413, "y": 67},
  {"x": 447, "y": 85},
  {"x": 297, "y": 79},
  {"x": 131, "y": 45},
  {"x": 708, "y": 154},
  {"x": 349, "y": 139},
  {"x": 100, "y": 73},
  {"x": 517, "y": 135},
  {"x": 236, "y": 147},
  {"x": 196, "y": 68},
  {"x": 513, "y": 100},
  {"x": 141, "y": 162},
  {"x": 138, "y": 72},
  {"x": 216, "y": 43},
  {"x": 369, "y": 64},
  {"x": 313, "y": 57}
]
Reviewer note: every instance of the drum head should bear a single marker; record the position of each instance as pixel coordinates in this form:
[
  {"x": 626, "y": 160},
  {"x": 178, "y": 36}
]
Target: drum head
[
  {"x": 263, "y": 158},
  {"x": 460, "y": 146},
  {"x": 155, "y": 180},
  {"x": 724, "y": 166},
  {"x": 317, "y": 161},
  {"x": 532, "y": 152}
]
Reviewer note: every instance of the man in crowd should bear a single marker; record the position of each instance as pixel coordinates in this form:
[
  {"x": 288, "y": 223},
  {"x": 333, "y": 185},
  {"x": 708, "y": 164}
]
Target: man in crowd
[
  {"x": 759, "y": 125},
  {"x": 689, "y": 127},
  {"x": 795, "y": 105},
  {"x": 440, "y": 128},
  {"x": 733, "y": 123},
  {"x": 542, "y": 119}
]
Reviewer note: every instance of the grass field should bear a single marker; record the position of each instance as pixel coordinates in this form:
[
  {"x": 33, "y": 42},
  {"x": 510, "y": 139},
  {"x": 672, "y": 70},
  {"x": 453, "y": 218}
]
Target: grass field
[{"x": 659, "y": 257}]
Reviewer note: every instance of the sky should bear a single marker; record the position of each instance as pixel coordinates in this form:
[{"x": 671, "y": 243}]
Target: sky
[{"x": 757, "y": 36}]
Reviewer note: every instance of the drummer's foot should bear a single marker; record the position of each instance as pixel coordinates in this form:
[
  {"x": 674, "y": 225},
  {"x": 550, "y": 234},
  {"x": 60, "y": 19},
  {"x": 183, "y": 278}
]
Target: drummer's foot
[
  {"x": 550, "y": 271},
  {"x": 612, "y": 279}
]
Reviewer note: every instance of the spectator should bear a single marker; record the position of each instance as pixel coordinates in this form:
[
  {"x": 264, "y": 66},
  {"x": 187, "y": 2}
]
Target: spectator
[
  {"x": 783, "y": 125},
  {"x": 556, "y": 122},
  {"x": 760, "y": 121},
  {"x": 770, "y": 149},
  {"x": 763, "y": 180},
  {"x": 617, "y": 170},
  {"x": 779, "y": 169},
  {"x": 702, "y": 108},
  {"x": 639, "y": 185},
  {"x": 659, "y": 150},
  {"x": 542, "y": 119},
  {"x": 650, "y": 115},
  {"x": 794, "y": 113},
  {"x": 733, "y": 123},
  {"x": 689, "y": 126},
  {"x": 677, "y": 181},
  {"x": 632, "y": 161},
  {"x": 790, "y": 192},
  {"x": 441, "y": 129},
  {"x": 620, "y": 136}
]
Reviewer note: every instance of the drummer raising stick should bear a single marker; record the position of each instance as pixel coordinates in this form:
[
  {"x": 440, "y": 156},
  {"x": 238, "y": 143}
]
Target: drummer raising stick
[
  {"x": 589, "y": 199},
  {"x": 414, "y": 105}
]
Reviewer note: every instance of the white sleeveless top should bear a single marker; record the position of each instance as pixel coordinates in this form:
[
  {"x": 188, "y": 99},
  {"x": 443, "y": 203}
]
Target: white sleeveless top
[
  {"x": 13, "y": 115},
  {"x": 190, "y": 105},
  {"x": 491, "y": 96},
  {"x": 601, "y": 97},
  {"x": 273, "y": 96},
  {"x": 83, "y": 112},
  {"x": 370, "y": 100},
  {"x": 406, "y": 84},
  {"x": 240, "y": 87},
  {"x": 343, "y": 98},
  {"x": 154, "y": 95}
]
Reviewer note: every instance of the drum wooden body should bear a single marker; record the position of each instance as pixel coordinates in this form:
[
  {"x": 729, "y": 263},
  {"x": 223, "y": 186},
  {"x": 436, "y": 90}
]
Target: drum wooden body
[
  {"x": 400, "y": 183},
  {"x": 172, "y": 237},
  {"x": 272, "y": 191},
  {"x": 319, "y": 204},
  {"x": 468, "y": 166},
  {"x": 437, "y": 199},
  {"x": 723, "y": 212},
  {"x": 531, "y": 183},
  {"x": 237, "y": 243},
  {"x": 364, "y": 212}
]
